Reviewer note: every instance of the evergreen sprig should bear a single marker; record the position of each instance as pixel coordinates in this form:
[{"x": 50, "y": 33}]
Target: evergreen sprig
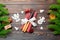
[
  {"x": 55, "y": 23},
  {"x": 4, "y": 21}
]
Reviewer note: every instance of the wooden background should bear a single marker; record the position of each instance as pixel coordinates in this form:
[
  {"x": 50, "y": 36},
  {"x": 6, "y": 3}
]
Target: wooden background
[{"x": 15, "y": 6}]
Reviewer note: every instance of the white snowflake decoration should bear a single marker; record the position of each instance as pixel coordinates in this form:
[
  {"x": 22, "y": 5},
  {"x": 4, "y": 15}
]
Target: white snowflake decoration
[
  {"x": 41, "y": 11},
  {"x": 41, "y": 28},
  {"x": 16, "y": 28},
  {"x": 16, "y": 17},
  {"x": 41, "y": 20}
]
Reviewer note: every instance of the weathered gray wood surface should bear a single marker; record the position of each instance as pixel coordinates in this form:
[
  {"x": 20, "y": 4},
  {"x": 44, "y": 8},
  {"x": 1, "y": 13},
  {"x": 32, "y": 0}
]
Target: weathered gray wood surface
[{"x": 15, "y": 6}]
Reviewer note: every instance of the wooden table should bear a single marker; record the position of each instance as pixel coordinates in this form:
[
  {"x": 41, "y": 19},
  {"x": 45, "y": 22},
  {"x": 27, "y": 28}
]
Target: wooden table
[{"x": 15, "y": 6}]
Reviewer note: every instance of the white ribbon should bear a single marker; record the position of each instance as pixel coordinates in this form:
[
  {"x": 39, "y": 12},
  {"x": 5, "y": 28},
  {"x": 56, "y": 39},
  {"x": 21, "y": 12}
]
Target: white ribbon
[{"x": 23, "y": 21}]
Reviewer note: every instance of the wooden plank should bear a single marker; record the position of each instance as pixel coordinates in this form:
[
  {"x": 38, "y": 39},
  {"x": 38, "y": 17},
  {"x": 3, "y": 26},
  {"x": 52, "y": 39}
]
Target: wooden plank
[
  {"x": 22, "y": 0},
  {"x": 22, "y": 3},
  {"x": 18, "y": 8}
]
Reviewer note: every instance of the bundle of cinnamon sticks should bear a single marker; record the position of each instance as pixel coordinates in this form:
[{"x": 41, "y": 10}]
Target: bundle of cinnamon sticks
[{"x": 28, "y": 27}]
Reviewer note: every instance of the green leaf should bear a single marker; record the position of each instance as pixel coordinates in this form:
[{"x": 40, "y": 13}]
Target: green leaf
[
  {"x": 2, "y": 26},
  {"x": 55, "y": 6},
  {"x": 54, "y": 27},
  {"x": 4, "y": 11},
  {"x": 56, "y": 32},
  {"x": 2, "y": 5},
  {"x": 4, "y": 18},
  {"x": 4, "y": 32},
  {"x": 58, "y": 1},
  {"x": 54, "y": 12}
]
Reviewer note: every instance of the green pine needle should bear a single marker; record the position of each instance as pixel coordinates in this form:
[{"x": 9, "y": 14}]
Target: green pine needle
[
  {"x": 2, "y": 5},
  {"x": 55, "y": 23},
  {"x": 4, "y": 18},
  {"x": 4, "y": 21},
  {"x": 58, "y": 1}
]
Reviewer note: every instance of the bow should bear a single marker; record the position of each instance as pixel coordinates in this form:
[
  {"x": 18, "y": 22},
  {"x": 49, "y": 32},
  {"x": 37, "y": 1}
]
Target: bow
[{"x": 23, "y": 21}]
